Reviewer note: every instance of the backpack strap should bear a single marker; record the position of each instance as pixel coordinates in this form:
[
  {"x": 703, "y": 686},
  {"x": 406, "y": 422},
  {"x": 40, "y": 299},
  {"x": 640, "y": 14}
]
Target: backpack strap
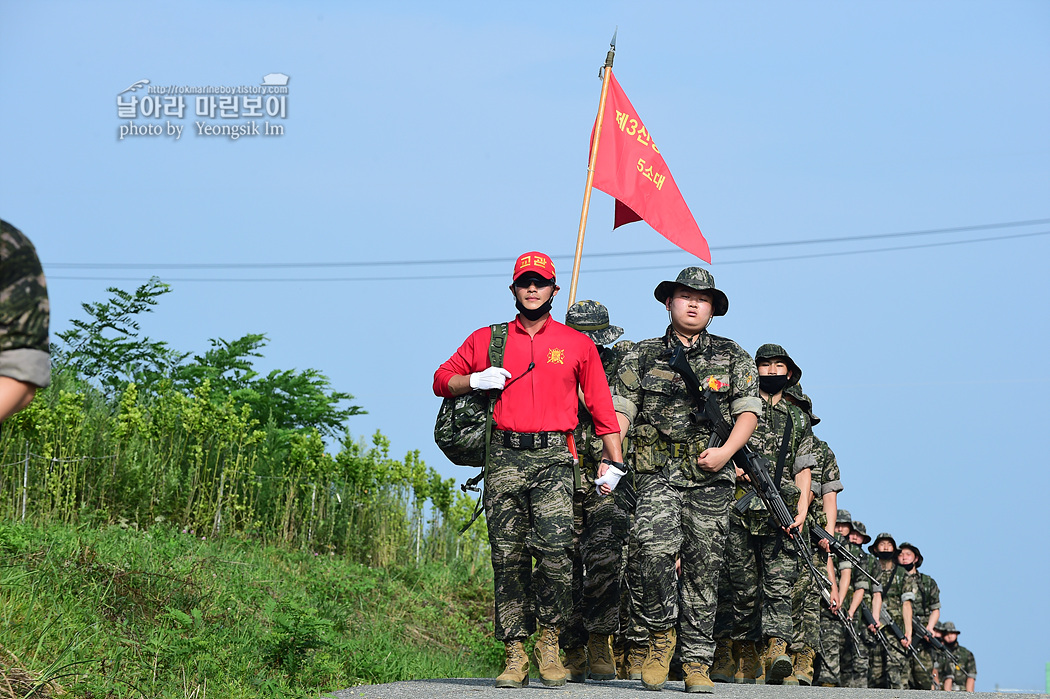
[{"x": 497, "y": 346}]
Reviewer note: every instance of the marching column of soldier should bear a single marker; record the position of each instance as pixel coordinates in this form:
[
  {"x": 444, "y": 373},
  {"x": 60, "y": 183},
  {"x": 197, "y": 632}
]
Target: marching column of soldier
[{"x": 649, "y": 556}]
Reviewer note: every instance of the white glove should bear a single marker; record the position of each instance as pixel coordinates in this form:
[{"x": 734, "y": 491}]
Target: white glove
[
  {"x": 611, "y": 478},
  {"x": 493, "y": 377}
]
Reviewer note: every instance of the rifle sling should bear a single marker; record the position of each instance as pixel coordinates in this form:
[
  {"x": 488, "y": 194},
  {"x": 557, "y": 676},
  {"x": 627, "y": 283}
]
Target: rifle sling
[{"x": 778, "y": 475}]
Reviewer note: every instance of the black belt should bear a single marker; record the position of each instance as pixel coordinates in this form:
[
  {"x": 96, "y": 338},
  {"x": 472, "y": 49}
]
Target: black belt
[{"x": 529, "y": 440}]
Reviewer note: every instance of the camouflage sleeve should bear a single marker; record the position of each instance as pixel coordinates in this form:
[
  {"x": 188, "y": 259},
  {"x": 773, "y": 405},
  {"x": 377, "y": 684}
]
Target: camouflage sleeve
[
  {"x": 934, "y": 595},
  {"x": 821, "y": 451},
  {"x": 24, "y": 310},
  {"x": 970, "y": 664},
  {"x": 627, "y": 384},
  {"x": 909, "y": 588},
  {"x": 844, "y": 563},
  {"x": 806, "y": 452},
  {"x": 744, "y": 397},
  {"x": 830, "y": 477},
  {"x": 861, "y": 582}
]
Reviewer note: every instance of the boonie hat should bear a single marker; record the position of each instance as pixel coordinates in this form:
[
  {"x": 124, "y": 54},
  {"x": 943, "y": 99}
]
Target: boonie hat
[
  {"x": 771, "y": 351},
  {"x": 948, "y": 627},
  {"x": 803, "y": 401},
  {"x": 862, "y": 530},
  {"x": 699, "y": 279},
  {"x": 592, "y": 319},
  {"x": 915, "y": 550},
  {"x": 844, "y": 518},
  {"x": 535, "y": 262},
  {"x": 880, "y": 537}
]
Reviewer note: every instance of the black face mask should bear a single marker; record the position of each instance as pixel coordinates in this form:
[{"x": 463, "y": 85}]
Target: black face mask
[
  {"x": 885, "y": 555},
  {"x": 536, "y": 314},
  {"x": 910, "y": 567},
  {"x": 772, "y": 385}
]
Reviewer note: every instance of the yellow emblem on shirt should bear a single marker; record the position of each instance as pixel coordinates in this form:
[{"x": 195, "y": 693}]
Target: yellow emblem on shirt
[{"x": 555, "y": 356}]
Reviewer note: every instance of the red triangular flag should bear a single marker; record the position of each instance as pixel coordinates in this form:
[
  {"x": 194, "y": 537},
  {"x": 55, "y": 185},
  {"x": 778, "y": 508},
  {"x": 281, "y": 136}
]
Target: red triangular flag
[{"x": 629, "y": 167}]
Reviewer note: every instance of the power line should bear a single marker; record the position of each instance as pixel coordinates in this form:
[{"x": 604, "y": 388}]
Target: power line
[
  {"x": 840, "y": 253},
  {"x": 487, "y": 260}
]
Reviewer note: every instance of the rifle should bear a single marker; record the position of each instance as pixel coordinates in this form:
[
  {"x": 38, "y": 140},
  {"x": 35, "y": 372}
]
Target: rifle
[
  {"x": 869, "y": 620},
  {"x": 925, "y": 635},
  {"x": 842, "y": 552},
  {"x": 898, "y": 633},
  {"x": 841, "y": 616},
  {"x": 754, "y": 465}
]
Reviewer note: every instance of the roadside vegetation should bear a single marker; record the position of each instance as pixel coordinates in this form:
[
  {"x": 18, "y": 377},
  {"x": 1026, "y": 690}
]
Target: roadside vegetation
[{"x": 177, "y": 525}]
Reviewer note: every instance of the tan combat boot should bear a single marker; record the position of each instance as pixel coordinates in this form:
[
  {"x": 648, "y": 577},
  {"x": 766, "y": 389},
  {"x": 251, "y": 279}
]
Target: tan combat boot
[
  {"x": 804, "y": 665},
  {"x": 576, "y": 664},
  {"x": 620, "y": 660},
  {"x": 600, "y": 653},
  {"x": 776, "y": 660},
  {"x": 658, "y": 658},
  {"x": 516, "y": 674},
  {"x": 750, "y": 668},
  {"x": 635, "y": 657},
  {"x": 697, "y": 679},
  {"x": 548, "y": 658},
  {"x": 724, "y": 667}
]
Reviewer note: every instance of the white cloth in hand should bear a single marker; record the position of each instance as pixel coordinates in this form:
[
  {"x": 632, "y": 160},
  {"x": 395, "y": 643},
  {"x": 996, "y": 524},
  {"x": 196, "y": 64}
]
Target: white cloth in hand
[
  {"x": 493, "y": 377},
  {"x": 611, "y": 478}
]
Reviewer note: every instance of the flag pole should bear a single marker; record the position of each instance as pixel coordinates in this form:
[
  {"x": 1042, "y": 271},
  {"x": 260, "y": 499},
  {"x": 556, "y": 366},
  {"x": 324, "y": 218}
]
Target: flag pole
[{"x": 606, "y": 75}]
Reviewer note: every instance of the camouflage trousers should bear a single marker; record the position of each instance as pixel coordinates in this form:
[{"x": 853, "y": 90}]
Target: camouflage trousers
[
  {"x": 854, "y": 662},
  {"x": 762, "y": 575},
  {"x": 805, "y": 607},
  {"x": 631, "y": 629},
  {"x": 528, "y": 507},
  {"x": 915, "y": 676},
  {"x": 832, "y": 638},
  {"x": 690, "y": 523},
  {"x": 887, "y": 667},
  {"x": 601, "y": 526}
]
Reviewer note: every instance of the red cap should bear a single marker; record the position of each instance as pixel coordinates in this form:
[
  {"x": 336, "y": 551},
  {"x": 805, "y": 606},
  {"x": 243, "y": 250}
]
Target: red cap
[{"x": 535, "y": 262}]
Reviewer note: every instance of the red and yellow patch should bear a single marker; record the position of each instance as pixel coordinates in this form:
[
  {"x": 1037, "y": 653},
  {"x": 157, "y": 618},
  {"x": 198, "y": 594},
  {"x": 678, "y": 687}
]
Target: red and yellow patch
[
  {"x": 714, "y": 384},
  {"x": 555, "y": 356}
]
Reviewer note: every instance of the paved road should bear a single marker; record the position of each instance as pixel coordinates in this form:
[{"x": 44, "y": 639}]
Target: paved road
[{"x": 618, "y": 689}]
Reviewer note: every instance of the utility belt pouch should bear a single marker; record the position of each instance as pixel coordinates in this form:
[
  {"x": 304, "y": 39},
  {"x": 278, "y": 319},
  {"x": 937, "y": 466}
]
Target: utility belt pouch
[{"x": 647, "y": 450}]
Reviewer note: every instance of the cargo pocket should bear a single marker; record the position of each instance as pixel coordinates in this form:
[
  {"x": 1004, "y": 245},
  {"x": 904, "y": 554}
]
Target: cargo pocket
[{"x": 646, "y": 449}]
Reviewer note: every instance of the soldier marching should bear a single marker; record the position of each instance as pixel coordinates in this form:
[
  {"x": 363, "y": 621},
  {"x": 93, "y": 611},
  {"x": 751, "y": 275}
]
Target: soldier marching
[{"x": 652, "y": 554}]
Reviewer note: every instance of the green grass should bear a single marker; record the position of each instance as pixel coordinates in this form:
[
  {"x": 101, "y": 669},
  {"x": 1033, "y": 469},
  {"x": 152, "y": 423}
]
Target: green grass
[{"x": 117, "y": 612}]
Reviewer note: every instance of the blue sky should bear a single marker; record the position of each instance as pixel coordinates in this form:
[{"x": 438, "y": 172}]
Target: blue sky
[{"x": 422, "y": 139}]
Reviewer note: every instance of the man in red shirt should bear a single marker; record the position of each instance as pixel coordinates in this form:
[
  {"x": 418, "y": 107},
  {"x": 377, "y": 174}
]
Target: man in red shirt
[{"x": 529, "y": 478}]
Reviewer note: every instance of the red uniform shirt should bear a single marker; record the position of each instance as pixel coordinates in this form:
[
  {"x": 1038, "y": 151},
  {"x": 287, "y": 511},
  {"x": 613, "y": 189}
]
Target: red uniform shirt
[{"x": 543, "y": 399}]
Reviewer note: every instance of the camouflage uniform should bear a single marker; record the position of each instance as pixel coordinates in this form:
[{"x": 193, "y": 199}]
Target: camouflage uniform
[
  {"x": 855, "y": 663},
  {"x": 762, "y": 566},
  {"x": 927, "y": 599},
  {"x": 807, "y": 603},
  {"x": 817, "y": 619},
  {"x": 959, "y": 672},
  {"x": 682, "y": 510},
  {"x": 838, "y": 649},
  {"x": 897, "y": 588},
  {"x": 601, "y": 522},
  {"x": 24, "y": 310},
  {"x": 966, "y": 666}
]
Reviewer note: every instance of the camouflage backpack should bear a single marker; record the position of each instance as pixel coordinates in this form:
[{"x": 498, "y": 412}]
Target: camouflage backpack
[{"x": 464, "y": 423}]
